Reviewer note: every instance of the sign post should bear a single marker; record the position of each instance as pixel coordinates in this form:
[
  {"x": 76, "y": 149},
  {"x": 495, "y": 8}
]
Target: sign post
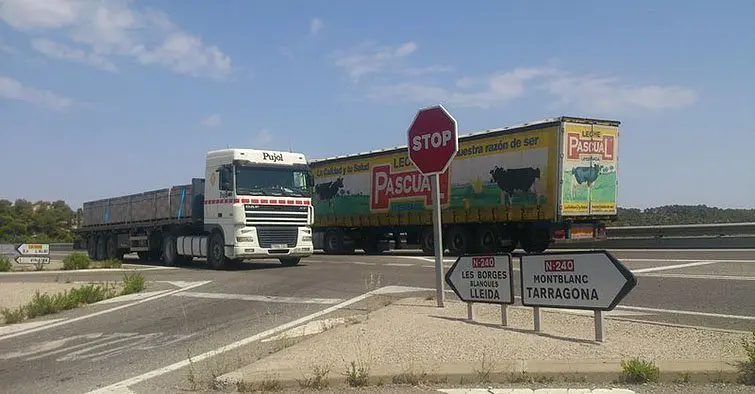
[
  {"x": 485, "y": 279},
  {"x": 592, "y": 280},
  {"x": 433, "y": 143}
]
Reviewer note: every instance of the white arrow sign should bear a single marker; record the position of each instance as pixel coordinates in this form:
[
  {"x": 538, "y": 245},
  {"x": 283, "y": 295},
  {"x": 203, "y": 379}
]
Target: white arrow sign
[
  {"x": 483, "y": 279},
  {"x": 32, "y": 260},
  {"x": 577, "y": 280},
  {"x": 33, "y": 249}
]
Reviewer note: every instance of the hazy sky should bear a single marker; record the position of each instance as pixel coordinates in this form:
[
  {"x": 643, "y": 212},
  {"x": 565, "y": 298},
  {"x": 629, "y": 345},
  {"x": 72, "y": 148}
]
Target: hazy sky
[{"x": 101, "y": 98}]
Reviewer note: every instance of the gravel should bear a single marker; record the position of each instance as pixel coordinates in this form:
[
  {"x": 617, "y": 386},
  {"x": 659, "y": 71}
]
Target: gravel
[{"x": 415, "y": 333}]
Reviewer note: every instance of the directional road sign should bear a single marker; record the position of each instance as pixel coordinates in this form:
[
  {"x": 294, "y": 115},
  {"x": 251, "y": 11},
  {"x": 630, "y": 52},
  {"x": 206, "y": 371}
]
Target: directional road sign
[
  {"x": 483, "y": 279},
  {"x": 592, "y": 280},
  {"x": 433, "y": 140},
  {"x": 33, "y": 249},
  {"x": 32, "y": 260}
]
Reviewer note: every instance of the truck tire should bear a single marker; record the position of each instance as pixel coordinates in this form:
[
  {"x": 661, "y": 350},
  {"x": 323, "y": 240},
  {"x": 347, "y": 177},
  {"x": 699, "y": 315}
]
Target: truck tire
[
  {"x": 289, "y": 261},
  {"x": 333, "y": 242},
  {"x": 216, "y": 252},
  {"x": 457, "y": 240},
  {"x": 170, "y": 255},
  {"x": 487, "y": 239},
  {"x": 92, "y": 247},
  {"x": 112, "y": 247},
  {"x": 101, "y": 247},
  {"x": 426, "y": 241}
]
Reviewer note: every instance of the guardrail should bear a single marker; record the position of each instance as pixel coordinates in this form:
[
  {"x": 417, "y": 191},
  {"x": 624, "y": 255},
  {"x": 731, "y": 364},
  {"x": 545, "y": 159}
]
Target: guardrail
[
  {"x": 688, "y": 236},
  {"x": 682, "y": 230}
]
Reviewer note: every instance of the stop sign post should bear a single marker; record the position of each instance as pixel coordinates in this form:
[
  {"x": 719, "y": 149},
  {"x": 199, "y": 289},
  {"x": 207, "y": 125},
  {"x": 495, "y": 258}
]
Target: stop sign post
[{"x": 433, "y": 143}]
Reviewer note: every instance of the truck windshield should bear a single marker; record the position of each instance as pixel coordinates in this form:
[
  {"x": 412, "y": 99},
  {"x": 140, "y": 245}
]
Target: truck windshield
[{"x": 265, "y": 181}]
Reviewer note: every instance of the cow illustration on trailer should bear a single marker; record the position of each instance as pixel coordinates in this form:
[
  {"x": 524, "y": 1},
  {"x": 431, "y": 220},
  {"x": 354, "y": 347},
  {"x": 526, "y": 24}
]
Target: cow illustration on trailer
[
  {"x": 514, "y": 179},
  {"x": 586, "y": 175},
  {"x": 326, "y": 191}
]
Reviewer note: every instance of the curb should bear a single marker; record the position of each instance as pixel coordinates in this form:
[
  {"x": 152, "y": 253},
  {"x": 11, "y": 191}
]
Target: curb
[{"x": 509, "y": 372}]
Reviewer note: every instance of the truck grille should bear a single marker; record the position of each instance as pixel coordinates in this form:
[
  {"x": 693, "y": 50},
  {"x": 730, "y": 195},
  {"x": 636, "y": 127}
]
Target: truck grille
[
  {"x": 276, "y": 215},
  {"x": 269, "y": 236}
]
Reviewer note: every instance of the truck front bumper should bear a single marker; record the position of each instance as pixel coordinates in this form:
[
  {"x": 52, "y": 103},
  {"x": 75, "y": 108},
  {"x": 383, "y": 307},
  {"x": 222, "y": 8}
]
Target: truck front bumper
[{"x": 256, "y": 252}]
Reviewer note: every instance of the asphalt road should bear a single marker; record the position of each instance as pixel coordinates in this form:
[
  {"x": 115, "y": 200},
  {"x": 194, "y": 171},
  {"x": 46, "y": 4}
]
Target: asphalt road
[{"x": 145, "y": 343}]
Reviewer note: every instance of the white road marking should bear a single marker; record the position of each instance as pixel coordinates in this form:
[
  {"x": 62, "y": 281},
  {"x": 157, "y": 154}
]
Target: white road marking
[
  {"x": 694, "y": 276},
  {"x": 685, "y": 260},
  {"x": 11, "y": 328},
  {"x": 362, "y": 263},
  {"x": 398, "y": 265},
  {"x": 690, "y": 313},
  {"x": 671, "y": 267},
  {"x": 311, "y": 328},
  {"x": 536, "y": 391},
  {"x": 254, "y": 338},
  {"x": 117, "y": 308},
  {"x": 260, "y": 298},
  {"x": 131, "y": 297},
  {"x": 49, "y": 272}
]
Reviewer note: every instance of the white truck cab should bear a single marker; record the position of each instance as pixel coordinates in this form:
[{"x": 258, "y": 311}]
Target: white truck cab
[{"x": 257, "y": 204}]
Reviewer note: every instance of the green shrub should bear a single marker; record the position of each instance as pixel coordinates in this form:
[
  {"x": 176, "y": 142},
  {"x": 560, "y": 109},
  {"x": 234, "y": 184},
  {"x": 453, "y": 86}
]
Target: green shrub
[
  {"x": 5, "y": 264},
  {"x": 132, "y": 283},
  {"x": 76, "y": 261},
  {"x": 110, "y": 263},
  {"x": 747, "y": 367},
  {"x": 639, "y": 371}
]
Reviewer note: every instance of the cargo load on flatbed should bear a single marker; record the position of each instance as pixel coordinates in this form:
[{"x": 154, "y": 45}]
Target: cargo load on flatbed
[
  {"x": 557, "y": 176},
  {"x": 175, "y": 204}
]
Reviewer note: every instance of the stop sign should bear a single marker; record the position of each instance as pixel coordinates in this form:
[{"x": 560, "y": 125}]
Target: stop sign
[{"x": 433, "y": 140}]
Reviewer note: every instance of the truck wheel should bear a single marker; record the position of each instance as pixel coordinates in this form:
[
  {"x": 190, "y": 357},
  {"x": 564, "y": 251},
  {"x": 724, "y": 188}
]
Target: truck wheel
[
  {"x": 457, "y": 240},
  {"x": 216, "y": 253},
  {"x": 170, "y": 255},
  {"x": 101, "y": 248},
  {"x": 92, "y": 247},
  {"x": 290, "y": 261},
  {"x": 333, "y": 242},
  {"x": 487, "y": 239},
  {"x": 112, "y": 247},
  {"x": 426, "y": 241},
  {"x": 536, "y": 241}
]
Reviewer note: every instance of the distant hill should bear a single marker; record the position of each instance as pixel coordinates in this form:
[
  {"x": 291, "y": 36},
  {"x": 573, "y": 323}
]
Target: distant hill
[{"x": 51, "y": 222}]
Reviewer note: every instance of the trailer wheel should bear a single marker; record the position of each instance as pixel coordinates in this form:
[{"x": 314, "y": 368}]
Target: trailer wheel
[
  {"x": 333, "y": 242},
  {"x": 487, "y": 239},
  {"x": 112, "y": 247},
  {"x": 92, "y": 247},
  {"x": 170, "y": 255},
  {"x": 426, "y": 241},
  {"x": 101, "y": 248},
  {"x": 216, "y": 253},
  {"x": 457, "y": 240},
  {"x": 536, "y": 241}
]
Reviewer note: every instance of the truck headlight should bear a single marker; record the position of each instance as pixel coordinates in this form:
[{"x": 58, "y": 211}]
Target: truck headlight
[
  {"x": 244, "y": 239},
  {"x": 306, "y": 238}
]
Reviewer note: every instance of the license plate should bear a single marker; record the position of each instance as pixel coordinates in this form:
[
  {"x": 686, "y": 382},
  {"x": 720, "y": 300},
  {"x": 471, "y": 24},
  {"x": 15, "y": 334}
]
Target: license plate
[{"x": 278, "y": 246}]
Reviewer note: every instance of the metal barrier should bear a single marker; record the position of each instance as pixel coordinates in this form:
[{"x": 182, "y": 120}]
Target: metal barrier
[{"x": 687, "y": 236}]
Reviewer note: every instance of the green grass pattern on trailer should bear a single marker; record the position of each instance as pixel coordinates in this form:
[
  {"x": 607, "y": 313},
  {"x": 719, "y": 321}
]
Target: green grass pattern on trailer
[
  {"x": 489, "y": 196},
  {"x": 603, "y": 190}
]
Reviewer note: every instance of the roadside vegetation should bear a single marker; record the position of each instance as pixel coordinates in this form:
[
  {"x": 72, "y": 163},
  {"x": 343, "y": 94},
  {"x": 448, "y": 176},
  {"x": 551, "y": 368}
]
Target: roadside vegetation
[
  {"x": 637, "y": 371},
  {"x": 46, "y": 304},
  {"x": 80, "y": 261},
  {"x": 53, "y": 222},
  {"x": 747, "y": 367},
  {"x": 5, "y": 264}
]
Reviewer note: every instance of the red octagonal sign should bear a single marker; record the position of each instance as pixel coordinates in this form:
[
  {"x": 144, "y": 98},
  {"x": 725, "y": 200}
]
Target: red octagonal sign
[{"x": 433, "y": 140}]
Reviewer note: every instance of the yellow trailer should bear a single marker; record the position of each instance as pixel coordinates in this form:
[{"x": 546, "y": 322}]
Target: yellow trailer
[{"x": 529, "y": 184}]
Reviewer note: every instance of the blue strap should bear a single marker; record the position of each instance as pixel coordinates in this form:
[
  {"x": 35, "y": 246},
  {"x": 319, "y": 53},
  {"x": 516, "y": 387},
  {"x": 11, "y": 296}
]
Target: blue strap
[
  {"x": 181, "y": 204},
  {"x": 107, "y": 212}
]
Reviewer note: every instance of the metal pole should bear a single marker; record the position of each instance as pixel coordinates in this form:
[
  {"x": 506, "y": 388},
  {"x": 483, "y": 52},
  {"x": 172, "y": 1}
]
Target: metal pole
[
  {"x": 470, "y": 311},
  {"x": 599, "y": 326},
  {"x": 438, "y": 242},
  {"x": 504, "y": 315},
  {"x": 536, "y": 314}
]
